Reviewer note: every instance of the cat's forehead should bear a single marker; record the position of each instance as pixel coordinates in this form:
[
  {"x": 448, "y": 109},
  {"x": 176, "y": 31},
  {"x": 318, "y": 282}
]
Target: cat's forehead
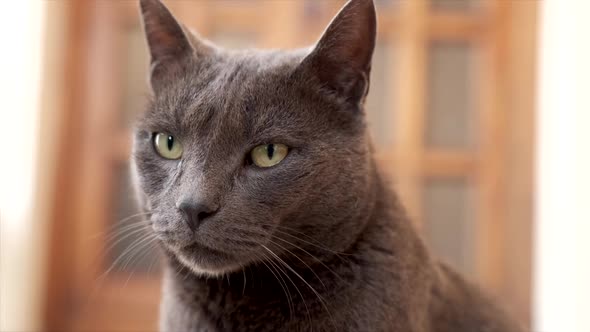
[
  {"x": 232, "y": 88},
  {"x": 239, "y": 73},
  {"x": 238, "y": 84}
]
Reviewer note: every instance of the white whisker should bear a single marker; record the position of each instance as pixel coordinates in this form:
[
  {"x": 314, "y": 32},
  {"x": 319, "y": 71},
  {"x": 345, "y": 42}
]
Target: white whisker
[{"x": 302, "y": 279}]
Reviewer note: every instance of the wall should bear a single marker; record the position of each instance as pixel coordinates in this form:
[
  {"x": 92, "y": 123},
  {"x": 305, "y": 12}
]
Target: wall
[
  {"x": 30, "y": 86},
  {"x": 21, "y": 29},
  {"x": 562, "y": 257}
]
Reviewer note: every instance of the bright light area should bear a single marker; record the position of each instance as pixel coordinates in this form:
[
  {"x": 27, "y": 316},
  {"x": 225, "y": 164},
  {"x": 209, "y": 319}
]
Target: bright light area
[
  {"x": 562, "y": 250},
  {"x": 21, "y": 29}
]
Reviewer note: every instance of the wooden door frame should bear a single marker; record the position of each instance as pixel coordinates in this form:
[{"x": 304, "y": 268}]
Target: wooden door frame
[{"x": 67, "y": 171}]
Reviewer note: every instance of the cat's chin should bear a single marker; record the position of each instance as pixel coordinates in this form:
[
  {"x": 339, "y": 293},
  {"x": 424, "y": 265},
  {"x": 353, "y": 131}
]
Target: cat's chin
[
  {"x": 206, "y": 272},
  {"x": 206, "y": 262}
]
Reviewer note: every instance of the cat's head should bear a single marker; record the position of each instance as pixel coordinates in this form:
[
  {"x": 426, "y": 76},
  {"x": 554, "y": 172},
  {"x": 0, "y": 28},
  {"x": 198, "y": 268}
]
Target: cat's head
[{"x": 241, "y": 153}]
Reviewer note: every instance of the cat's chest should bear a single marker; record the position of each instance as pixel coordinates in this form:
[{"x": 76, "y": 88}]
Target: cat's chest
[
  {"x": 268, "y": 303},
  {"x": 260, "y": 309},
  {"x": 263, "y": 307}
]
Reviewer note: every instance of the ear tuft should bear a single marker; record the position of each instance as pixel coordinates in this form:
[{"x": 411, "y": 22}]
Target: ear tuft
[
  {"x": 166, "y": 40},
  {"x": 342, "y": 57}
]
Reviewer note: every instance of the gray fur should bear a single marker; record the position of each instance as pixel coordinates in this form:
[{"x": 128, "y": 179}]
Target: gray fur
[{"x": 315, "y": 243}]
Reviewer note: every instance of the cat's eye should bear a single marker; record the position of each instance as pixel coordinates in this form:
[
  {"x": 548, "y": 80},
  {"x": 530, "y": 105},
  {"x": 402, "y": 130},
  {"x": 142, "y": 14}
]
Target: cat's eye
[
  {"x": 268, "y": 155},
  {"x": 167, "y": 146}
]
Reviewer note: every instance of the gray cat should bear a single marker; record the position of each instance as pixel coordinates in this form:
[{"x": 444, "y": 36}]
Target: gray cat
[{"x": 258, "y": 171}]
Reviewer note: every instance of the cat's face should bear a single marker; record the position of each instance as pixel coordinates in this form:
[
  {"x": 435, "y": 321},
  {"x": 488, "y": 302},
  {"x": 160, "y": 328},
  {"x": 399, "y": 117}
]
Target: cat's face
[{"x": 216, "y": 205}]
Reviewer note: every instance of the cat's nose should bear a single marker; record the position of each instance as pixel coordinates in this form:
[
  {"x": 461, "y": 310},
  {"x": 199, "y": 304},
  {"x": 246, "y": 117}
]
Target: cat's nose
[{"x": 195, "y": 212}]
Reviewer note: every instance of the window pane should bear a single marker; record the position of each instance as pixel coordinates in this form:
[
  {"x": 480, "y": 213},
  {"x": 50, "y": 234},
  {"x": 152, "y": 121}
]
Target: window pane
[
  {"x": 449, "y": 225},
  {"x": 459, "y": 5},
  {"x": 131, "y": 249},
  {"x": 451, "y": 114},
  {"x": 379, "y": 104}
]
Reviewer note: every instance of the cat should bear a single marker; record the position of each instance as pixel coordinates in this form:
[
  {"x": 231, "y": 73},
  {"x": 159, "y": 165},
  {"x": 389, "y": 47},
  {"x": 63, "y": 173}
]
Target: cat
[{"x": 258, "y": 171}]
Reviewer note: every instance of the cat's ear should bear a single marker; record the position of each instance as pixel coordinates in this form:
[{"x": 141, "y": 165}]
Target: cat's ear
[
  {"x": 168, "y": 41},
  {"x": 341, "y": 59}
]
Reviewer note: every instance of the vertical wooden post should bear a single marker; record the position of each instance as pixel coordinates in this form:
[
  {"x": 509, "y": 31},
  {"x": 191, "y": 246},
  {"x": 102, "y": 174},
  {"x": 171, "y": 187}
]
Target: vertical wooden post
[
  {"x": 60, "y": 253},
  {"x": 490, "y": 176},
  {"x": 410, "y": 96}
]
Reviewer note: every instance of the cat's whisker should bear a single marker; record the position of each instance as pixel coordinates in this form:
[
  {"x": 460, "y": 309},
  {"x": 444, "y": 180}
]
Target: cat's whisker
[
  {"x": 301, "y": 260},
  {"x": 128, "y": 234},
  {"x": 142, "y": 214},
  {"x": 133, "y": 270},
  {"x": 316, "y": 244},
  {"x": 312, "y": 256},
  {"x": 155, "y": 260},
  {"x": 134, "y": 249},
  {"x": 187, "y": 273},
  {"x": 124, "y": 234},
  {"x": 119, "y": 232},
  {"x": 244, "y": 286},
  {"x": 106, "y": 236},
  {"x": 141, "y": 256},
  {"x": 178, "y": 271},
  {"x": 280, "y": 260},
  {"x": 182, "y": 270},
  {"x": 267, "y": 233},
  {"x": 146, "y": 241},
  {"x": 122, "y": 256},
  {"x": 282, "y": 283},
  {"x": 122, "y": 221},
  {"x": 282, "y": 271},
  {"x": 336, "y": 253}
]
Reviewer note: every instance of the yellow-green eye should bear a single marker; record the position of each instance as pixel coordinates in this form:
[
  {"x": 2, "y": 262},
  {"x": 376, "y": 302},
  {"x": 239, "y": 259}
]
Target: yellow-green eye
[
  {"x": 268, "y": 155},
  {"x": 167, "y": 146}
]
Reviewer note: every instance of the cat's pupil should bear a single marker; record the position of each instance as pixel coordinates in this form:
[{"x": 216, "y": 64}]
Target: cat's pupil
[
  {"x": 270, "y": 151},
  {"x": 170, "y": 142}
]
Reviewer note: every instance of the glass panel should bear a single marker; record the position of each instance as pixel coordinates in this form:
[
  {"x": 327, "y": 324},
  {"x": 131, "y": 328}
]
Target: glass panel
[
  {"x": 379, "y": 106},
  {"x": 449, "y": 225},
  {"x": 134, "y": 75},
  {"x": 130, "y": 250},
  {"x": 455, "y": 5},
  {"x": 451, "y": 114}
]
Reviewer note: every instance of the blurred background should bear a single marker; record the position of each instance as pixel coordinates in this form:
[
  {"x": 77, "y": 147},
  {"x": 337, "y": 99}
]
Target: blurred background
[{"x": 477, "y": 109}]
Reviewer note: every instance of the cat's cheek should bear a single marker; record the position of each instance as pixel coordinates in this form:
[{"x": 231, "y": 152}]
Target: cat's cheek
[{"x": 154, "y": 175}]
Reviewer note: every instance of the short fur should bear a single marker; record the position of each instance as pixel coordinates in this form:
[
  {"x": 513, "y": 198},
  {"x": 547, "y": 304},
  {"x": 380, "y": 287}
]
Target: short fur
[{"x": 315, "y": 243}]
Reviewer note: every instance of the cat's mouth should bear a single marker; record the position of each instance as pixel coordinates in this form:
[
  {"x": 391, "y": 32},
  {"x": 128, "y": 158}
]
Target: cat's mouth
[
  {"x": 188, "y": 245},
  {"x": 197, "y": 249},
  {"x": 204, "y": 252},
  {"x": 199, "y": 258}
]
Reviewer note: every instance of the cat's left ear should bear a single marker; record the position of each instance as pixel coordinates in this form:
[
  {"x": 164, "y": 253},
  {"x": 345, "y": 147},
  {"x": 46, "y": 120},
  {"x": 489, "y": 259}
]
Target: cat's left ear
[{"x": 341, "y": 60}]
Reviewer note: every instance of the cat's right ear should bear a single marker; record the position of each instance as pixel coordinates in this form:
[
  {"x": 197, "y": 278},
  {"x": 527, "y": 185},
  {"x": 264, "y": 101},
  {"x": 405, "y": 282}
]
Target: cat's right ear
[{"x": 169, "y": 44}]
